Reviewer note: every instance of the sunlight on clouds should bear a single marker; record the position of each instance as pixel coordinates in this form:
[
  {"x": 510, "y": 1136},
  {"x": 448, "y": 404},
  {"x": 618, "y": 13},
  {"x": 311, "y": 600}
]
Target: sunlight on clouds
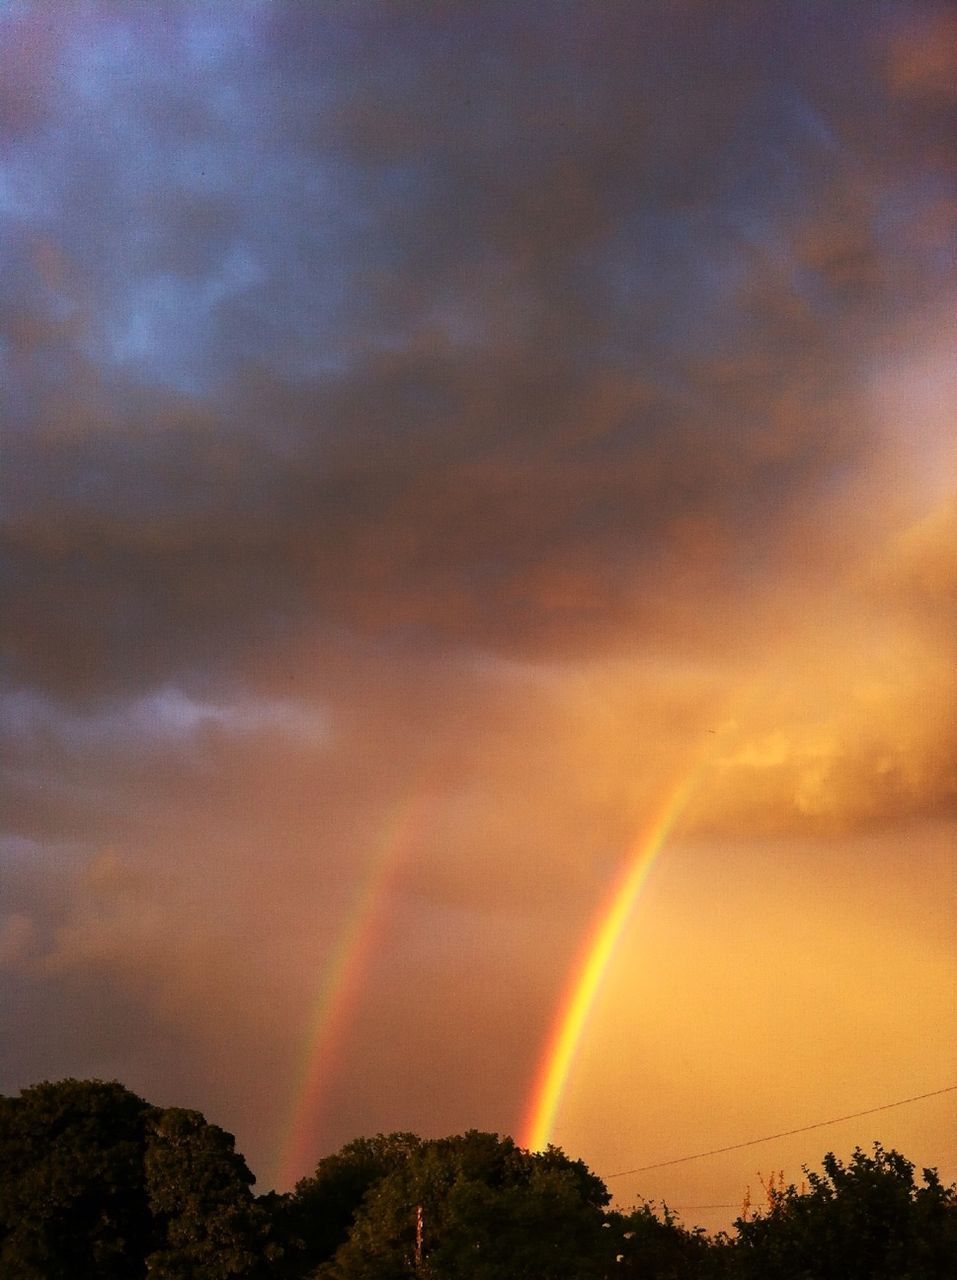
[
  {"x": 922, "y": 59},
  {"x": 510, "y": 422}
]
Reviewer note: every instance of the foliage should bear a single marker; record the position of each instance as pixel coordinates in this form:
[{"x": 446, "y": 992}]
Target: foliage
[
  {"x": 868, "y": 1219},
  {"x": 317, "y": 1218},
  {"x": 72, "y": 1184},
  {"x": 477, "y": 1206},
  {"x": 96, "y": 1184},
  {"x": 649, "y": 1245},
  {"x": 200, "y": 1201}
]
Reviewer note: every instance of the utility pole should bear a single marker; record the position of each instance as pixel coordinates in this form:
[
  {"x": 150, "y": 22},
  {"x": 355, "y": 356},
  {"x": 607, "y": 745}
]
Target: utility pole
[{"x": 419, "y": 1233}]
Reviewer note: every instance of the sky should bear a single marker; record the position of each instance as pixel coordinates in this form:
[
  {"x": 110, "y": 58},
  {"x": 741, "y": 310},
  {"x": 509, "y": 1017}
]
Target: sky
[{"x": 437, "y": 438}]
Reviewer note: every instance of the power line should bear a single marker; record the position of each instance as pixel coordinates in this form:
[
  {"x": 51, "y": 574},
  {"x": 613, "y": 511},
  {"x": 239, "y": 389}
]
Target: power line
[{"x": 786, "y": 1133}]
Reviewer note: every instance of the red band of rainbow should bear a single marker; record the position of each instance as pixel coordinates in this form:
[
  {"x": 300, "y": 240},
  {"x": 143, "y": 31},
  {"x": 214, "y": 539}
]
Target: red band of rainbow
[{"x": 592, "y": 965}]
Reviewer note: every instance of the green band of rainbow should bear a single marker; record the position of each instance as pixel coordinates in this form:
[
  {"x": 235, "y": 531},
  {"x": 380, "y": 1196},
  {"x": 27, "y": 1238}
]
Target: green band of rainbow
[{"x": 592, "y": 965}]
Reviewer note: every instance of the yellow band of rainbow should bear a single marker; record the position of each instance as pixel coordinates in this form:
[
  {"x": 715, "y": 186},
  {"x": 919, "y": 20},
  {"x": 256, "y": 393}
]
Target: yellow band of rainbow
[{"x": 592, "y": 965}]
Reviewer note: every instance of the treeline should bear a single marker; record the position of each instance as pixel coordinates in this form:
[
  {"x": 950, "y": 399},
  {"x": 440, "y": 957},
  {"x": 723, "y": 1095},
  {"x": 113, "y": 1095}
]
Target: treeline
[{"x": 96, "y": 1184}]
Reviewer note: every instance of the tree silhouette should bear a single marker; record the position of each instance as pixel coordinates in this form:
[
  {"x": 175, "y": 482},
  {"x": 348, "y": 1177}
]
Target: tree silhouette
[
  {"x": 868, "y": 1219},
  {"x": 199, "y": 1196},
  {"x": 72, "y": 1185},
  {"x": 96, "y": 1184},
  {"x": 316, "y": 1219},
  {"x": 477, "y": 1206}
]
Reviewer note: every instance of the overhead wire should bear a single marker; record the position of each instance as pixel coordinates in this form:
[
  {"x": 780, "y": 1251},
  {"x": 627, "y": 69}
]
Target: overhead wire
[{"x": 785, "y": 1133}]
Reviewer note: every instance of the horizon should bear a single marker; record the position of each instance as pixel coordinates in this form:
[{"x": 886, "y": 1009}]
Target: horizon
[{"x": 774, "y": 1178}]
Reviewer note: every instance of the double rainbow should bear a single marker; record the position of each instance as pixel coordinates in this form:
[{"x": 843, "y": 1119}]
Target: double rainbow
[{"x": 340, "y": 988}]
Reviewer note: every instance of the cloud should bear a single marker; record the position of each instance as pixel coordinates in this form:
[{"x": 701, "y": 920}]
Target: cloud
[
  {"x": 162, "y": 718},
  {"x": 16, "y": 937},
  {"x": 851, "y": 723},
  {"x": 922, "y": 57},
  {"x": 490, "y": 413},
  {"x": 529, "y": 405}
]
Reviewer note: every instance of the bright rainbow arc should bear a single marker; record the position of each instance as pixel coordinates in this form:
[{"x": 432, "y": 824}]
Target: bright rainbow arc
[
  {"x": 592, "y": 966},
  {"x": 342, "y": 983}
]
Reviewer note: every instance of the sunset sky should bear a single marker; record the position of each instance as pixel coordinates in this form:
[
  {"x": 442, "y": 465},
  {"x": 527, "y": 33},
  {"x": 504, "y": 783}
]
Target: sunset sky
[{"x": 442, "y": 441}]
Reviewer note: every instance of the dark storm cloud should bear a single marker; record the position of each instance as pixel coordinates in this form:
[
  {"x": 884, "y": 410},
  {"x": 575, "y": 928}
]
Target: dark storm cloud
[
  {"x": 456, "y": 325},
  {"x": 449, "y": 400},
  {"x": 516, "y": 328}
]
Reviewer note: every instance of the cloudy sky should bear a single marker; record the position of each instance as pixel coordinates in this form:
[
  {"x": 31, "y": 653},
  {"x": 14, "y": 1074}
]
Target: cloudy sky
[{"x": 430, "y": 432}]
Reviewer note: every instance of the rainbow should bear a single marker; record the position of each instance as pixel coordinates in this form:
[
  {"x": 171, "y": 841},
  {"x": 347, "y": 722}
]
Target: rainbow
[
  {"x": 342, "y": 981},
  {"x": 593, "y": 963}
]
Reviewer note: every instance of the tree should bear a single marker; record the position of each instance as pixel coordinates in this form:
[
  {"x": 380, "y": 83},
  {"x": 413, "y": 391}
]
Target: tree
[
  {"x": 541, "y": 1227},
  {"x": 315, "y": 1220},
  {"x": 868, "y": 1219},
  {"x": 96, "y": 1184},
  {"x": 199, "y": 1196},
  {"x": 477, "y": 1207},
  {"x": 646, "y": 1245},
  {"x": 72, "y": 1186}
]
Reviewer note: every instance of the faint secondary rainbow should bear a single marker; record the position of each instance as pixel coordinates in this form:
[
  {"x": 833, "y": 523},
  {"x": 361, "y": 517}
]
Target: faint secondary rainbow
[
  {"x": 593, "y": 963},
  {"x": 342, "y": 981}
]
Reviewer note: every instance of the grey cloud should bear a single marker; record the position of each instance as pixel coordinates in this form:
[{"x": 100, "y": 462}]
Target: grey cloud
[
  {"x": 167, "y": 715},
  {"x": 361, "y": 365}
]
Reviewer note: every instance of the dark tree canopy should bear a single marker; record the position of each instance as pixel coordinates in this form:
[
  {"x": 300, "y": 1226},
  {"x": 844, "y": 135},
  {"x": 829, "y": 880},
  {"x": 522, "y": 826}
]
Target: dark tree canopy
[
  {"x": 868, "y": 1219},
  {"x": 477, "y": 1206},
  {"x": 318, "y": 1216},
  {"x": 97, "y": 1184},
  {"x": 199, "y": 1199},
  {"x": 645, "y": 1244},
  {"x": 73, "y": 1200}
]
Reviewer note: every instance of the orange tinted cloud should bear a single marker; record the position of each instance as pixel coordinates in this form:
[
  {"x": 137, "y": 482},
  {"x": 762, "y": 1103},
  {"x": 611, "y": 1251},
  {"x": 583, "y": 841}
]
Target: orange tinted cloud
[
  {"x": 550, "y": 407},
  {"x": 922, "y": 59}
]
